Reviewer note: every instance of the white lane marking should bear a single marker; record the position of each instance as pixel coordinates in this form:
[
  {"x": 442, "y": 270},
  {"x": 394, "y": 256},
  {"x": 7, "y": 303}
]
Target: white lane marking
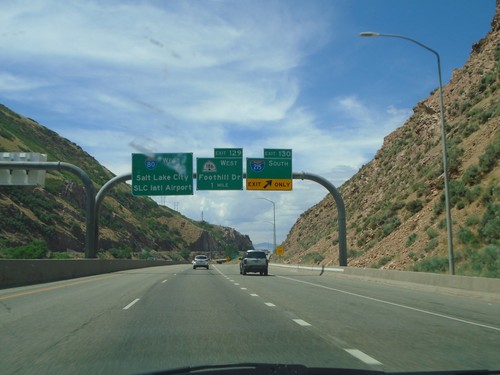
[
  {"x": 254, "y": 295},
  {"x": 363, "y": 357},
  {"x": 236, "y": 284},
  {"x": 131, "y": 304},
  {"x": 243, "y": 288},
  {"x": 270, "y": 304},
  {"x": 301, "y": 322},
  {"x": 395, "y": 304},
  {"x": 164, "y": 281}
]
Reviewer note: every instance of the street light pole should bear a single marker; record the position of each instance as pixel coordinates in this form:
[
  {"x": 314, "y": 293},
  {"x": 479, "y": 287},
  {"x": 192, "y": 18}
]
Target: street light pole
[
  {"x": 443, "y": 141},
  {"x": 274, "y": 222}
]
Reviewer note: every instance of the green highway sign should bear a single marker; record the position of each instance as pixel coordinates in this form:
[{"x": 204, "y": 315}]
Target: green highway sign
[
  {"x": 273, "y": 172},
  {"x": 277, "y": 153},
  {"x": 228, "y": 153},
  {"x": 162, "y": 174},
  {"x": 269, "y": 168},
  {"x": 219, "y": 173}
]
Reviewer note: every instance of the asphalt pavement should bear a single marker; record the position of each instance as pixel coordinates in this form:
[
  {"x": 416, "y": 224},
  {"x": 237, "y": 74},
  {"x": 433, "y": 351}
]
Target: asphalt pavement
[{"x": 172, "y": 316}]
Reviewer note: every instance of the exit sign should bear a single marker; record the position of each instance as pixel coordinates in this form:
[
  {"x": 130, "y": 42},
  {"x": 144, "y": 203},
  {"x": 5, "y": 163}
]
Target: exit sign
[
  {"x": 273, "y": 172},
  {"x": 277, "y": 153},
  {"x": 228, "y": 153},
  {"x": 219, "y": 173}
]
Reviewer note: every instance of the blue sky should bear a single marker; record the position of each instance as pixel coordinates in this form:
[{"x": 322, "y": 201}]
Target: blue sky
[{"x": 119, "y": 77}]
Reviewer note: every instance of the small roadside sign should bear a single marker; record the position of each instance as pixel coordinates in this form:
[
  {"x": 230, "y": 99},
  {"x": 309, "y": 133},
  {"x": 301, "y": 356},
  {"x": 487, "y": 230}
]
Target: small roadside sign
[{"x": 280, "y": 250}]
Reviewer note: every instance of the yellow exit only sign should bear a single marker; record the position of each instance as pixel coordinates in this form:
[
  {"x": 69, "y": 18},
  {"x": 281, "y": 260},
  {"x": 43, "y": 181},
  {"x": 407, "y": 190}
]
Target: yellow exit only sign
[{"x": 269, "y": 184}]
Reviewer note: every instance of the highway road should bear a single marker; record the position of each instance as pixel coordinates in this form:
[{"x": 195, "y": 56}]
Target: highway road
[{"x": 165, "y": 317}]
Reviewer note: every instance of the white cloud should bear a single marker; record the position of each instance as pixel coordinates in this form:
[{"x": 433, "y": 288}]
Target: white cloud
[
  {"x": 189, "y": 76},
  {"x": 13, "y": 83}
]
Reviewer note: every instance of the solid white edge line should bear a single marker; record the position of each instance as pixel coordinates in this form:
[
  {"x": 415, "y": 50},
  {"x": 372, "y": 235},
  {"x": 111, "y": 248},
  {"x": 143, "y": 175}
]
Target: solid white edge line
[
  {"x": 301, "y": 322},
  {"x": 131, "y": 304},
  {"x": 363, "y": 357},
  {"x": 395, "y": 304}
]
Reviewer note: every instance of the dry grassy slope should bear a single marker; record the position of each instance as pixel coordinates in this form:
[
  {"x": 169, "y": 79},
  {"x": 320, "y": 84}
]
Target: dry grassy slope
[
  {"x": 392, "y": 203},
  {"x": 56, "y": 213}
]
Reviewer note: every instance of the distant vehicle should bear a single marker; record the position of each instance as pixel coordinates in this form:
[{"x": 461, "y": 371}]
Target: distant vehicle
[
  {"x": 254, "y": 261},
  {"x": 200, "y": 261}
]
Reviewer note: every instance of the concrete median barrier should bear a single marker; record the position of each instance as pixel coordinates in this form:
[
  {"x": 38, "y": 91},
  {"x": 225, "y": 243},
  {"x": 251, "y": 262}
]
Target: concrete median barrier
[
  {"x": 469, "y": 283},
  {"x": 15, "y": 272}
]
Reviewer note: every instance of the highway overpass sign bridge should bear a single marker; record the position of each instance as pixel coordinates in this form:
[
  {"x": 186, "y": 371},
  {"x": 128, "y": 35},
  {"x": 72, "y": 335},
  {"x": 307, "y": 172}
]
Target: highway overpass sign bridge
[
  {"x": 341, "y": 215},
  {"x": 94, "y": 201}
]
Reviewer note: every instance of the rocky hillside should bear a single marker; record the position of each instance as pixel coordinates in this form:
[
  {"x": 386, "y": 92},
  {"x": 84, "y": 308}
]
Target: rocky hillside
[
  {"x": 54, "y": 215},
  {"x": 395, "y": 203}
]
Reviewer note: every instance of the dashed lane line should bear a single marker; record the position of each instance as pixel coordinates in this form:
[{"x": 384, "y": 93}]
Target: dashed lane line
[
  {"x": 363, "y": 357},
  {"x": 131, "y": 304},
  {"x": 395, "y": 304},
  {"x": 301, "y": 322}
]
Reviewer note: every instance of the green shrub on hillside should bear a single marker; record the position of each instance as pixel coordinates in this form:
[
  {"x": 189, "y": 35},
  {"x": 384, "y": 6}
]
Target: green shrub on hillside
[
  {"x": 467, "y": 237},
  {"x": 432, "y": 264},
  {"x": 411, "y": 239},
  {"x": 121, "y": 252},
  {"x": 414, "y": 206},
  {"x": 490, "y": 224},
  {"x": 472, "y": 194},
  {"x": 384, "y": 260},
  {"x": 54, "y": 185},
  {"x": 431, "y": 245},
  {"x": 458, "y": 190},
  {"x": 472, "y": 176},
  {"x": 34, "y": 250},
  {"x": 472, "y": 221},
  {"x": 438, "y": 207},
  {"x": 454, "y": 158},
  {"x": 431, "y": 233},
  {"x": 489, "y": 159},
  {"x": 484, "y": 262}
]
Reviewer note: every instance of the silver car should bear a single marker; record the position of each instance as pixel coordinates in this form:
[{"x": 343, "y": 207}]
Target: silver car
[
  {"x": 200, "y": 261},
  {"x": 254, "y": 261}
]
